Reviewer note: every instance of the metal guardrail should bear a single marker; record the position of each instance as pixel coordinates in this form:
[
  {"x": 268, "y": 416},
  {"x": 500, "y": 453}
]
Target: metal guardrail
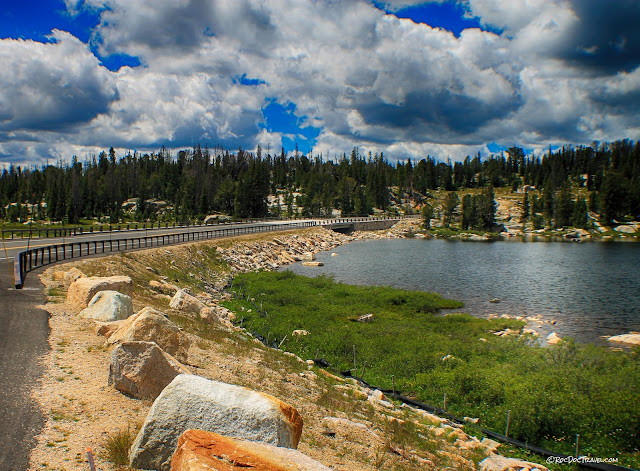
[
  {"x": 32, "y": 259},
  {"x": 107, "y": 228}
]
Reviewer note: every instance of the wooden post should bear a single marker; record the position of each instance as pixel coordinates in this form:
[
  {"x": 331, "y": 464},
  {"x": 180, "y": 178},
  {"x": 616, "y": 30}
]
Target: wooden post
[
  {"x": 354, "y": 358},
  {"x": 92, "y": 465},
  {"x": 577, "y": 445},
  {"x": 506, "y": 431},
  {"x": 445, "y": 401},
  {"x": 280, "y": 344},
  {"x": 364, "y": 366},
  {"x": 393, "y": 380}
]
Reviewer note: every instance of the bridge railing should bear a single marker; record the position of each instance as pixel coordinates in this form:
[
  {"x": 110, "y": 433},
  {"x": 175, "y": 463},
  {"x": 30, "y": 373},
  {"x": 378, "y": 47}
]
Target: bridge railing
[
  {"x": 41, "y": 232},
  {"x": 38, "y": 257}
]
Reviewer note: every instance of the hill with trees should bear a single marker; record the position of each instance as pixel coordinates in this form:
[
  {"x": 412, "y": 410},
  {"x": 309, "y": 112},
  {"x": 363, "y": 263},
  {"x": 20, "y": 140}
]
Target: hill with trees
[{"x": 558, "y": 187}]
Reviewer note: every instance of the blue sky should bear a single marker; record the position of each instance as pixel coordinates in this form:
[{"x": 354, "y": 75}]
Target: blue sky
[{"x": 403, "y": 77}]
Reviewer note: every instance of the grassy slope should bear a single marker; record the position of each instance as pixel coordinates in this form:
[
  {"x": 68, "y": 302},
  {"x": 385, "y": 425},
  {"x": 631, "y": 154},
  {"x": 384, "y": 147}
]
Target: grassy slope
[{"x": 553, "y": 393}]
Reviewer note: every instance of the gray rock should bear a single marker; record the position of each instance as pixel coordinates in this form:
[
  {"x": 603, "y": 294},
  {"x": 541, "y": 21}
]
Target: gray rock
[
  {"x": 185, "y": 302},
  {"x": 626, "y": 229},
  {"x": 108, "y": 306},
  {"x": 150, "y": 325},
  {"x": 83, "y": 289},
  {"x": 192, "y": 402},
  {"x": 142, "y": 369}
]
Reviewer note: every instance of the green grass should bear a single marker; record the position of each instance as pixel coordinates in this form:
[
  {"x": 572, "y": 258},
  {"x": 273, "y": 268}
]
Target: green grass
[
  {"x": 118, "y": 444},
  {"x": 553, "y": 393}
]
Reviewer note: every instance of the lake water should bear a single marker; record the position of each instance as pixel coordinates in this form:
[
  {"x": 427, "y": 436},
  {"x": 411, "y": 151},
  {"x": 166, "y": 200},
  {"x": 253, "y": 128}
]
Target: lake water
[{"x": 590, "y": 289}]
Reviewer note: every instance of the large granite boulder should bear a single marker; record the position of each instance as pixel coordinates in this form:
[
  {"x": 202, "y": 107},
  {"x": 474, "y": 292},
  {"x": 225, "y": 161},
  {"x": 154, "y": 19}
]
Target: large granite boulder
[
  {"x": 150, "y": 325},
  {"x": 67, "y": 277},
  {"x": 632, "y": 338},
  {"x": 82, "y": 291},
  {"x": 199, "y": 450},
  {"x": 626, "y": 229},
  {"x": 142, "y": 369},
  {"x": 108, "y": 306},
  {"x": 193, "y": 402},
  {"x": 183, "y": 301}
]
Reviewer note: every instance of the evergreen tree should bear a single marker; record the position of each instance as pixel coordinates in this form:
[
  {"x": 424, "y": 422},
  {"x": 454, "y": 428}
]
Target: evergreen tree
[
  {"x": 564, "y": 207},
  {"x": 487, "y": 208},
  {"x": 613, "y": 197},
  {"x": 451, "y": 202},
  {"x": 580, "y": 216},
  {"x": 526, "y": 208},
  {"x": 427, "y": 215}
]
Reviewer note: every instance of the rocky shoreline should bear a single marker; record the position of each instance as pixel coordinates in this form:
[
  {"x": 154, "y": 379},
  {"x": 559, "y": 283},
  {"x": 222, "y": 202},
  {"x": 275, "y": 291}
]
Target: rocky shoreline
[{"x": 346, "y": 426}]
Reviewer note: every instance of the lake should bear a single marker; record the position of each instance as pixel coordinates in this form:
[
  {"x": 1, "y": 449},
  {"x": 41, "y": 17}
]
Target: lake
[{"x": 589, "y": 289}]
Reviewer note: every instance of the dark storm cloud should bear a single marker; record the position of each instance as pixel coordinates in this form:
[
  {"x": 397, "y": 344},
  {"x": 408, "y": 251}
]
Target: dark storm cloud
[
  {"x": 607, "y": 36},
  {"x": 439, "y": 117}
]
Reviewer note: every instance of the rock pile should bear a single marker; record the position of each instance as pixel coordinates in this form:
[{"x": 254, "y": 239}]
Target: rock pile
[{"x": 282, "y": 250}]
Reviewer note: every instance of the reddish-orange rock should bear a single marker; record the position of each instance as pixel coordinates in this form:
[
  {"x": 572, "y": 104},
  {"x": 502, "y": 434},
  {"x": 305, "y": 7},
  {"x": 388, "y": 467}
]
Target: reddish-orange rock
[{"x": 198, "y": 451}]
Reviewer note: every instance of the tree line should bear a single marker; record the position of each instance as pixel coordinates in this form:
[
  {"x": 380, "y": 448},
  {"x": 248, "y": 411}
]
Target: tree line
[{"x": 201, "y": 181}]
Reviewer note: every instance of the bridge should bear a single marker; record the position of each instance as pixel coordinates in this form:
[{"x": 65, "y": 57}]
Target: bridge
[{"x": 74, "y": 243}]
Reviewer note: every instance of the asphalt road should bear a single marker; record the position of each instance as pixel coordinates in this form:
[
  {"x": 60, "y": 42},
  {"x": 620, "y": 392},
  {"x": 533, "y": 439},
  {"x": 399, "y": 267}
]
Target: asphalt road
[
  {"x": 11, "y": 247},
  {"x": 24, "y": 331}
]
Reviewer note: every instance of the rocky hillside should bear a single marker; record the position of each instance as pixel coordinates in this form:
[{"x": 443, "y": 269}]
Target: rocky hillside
[{"x": 90, "y": 400}]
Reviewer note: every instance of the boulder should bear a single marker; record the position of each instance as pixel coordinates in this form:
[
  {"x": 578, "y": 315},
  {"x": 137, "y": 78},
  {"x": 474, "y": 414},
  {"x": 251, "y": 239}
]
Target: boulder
[
  {"x": 107, "y": 329},
  {"x": 308, "y": 256},
  {"x": 185, "y": 302},
  {"x": 625, "y": 229},
  {"x": 632, "y": 338},
  {"x": 67, "y": 277},
  {"x": 162, "y": 287},
  {"x": 199, "y": 450},
  {"x": 500, "y": 463},
  {"x": 150, "y": 325},
  {"x": 209, "y": 315},
  {"x": 72, "y": 275},
  {"x": 192, "y": 402},
  {"x": 108, "y": 306},
  {"x": 312, "y": 264},
  {"x": 553, "y": 338},
  {"x": 142, "y": 369},
  {"x": 85, "y": 288}
]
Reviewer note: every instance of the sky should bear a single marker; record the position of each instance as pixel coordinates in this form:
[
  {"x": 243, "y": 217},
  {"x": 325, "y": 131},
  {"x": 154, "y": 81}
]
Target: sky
[{"x": 445, "y": 78}]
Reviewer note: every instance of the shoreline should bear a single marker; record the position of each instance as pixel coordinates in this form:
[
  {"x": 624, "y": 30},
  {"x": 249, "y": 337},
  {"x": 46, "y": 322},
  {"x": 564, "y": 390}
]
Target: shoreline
[
  {"x": 544, "y": 324},
  {"x": 83, "y": 411}
]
